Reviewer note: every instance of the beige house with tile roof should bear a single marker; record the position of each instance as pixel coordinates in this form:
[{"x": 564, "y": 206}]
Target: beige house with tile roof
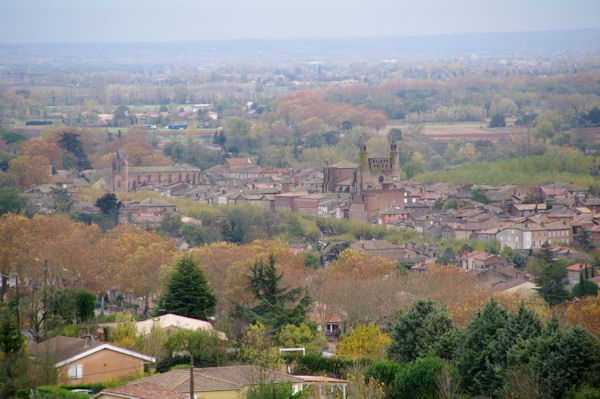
[{"x": 80, "y": 362}]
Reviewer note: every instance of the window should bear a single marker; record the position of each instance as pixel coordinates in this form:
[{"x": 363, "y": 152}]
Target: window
[{"x": 76, "y": 371}]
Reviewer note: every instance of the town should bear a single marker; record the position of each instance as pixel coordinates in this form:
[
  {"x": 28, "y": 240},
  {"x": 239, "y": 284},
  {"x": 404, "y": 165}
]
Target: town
[{"x": 353, "y": 216}]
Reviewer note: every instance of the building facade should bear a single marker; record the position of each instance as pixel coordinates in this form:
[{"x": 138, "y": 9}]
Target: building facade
[{"x": 125, "y": 178}]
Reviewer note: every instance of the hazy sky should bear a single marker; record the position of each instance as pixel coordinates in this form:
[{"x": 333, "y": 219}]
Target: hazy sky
[{"x": 170, "y": 20}]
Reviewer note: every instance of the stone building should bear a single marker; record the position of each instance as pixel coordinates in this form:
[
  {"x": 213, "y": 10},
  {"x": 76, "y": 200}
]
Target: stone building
[{"x": 125, "y": 178}]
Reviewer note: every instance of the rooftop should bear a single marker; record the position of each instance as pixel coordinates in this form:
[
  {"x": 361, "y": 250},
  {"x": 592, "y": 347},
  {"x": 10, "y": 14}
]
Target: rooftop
[
  {"x": 144, "y": 390},
  {"x": 164, "y": 169},
  {"x": 216, "y": 378},
  {"x": 344, "y": 165}
]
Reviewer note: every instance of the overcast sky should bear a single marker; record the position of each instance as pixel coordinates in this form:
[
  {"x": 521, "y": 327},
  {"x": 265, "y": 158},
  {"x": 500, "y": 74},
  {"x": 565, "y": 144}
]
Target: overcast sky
[{"x": 173, "y": 20}]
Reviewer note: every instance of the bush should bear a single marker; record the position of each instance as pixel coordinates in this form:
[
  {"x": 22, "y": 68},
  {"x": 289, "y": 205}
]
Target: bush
[
  {"x": 584, "y": 393},
  {"x": 52, "y": 392},
  {"x": 273, "y": 391},
  {"x": 585, "y": 287},
  {"x": 418, "y": 378},
  {"x": 317, "y": 364},
  {"x": 384, "y": 372},
  {"x": 95, "y": 387}
]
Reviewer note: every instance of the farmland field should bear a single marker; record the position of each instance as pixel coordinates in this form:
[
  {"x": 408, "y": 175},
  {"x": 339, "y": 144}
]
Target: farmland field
[{"x": 459, "y": 131}]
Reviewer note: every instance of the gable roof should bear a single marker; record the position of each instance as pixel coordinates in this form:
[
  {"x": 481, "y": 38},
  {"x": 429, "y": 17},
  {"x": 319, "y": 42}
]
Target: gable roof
[
  {"x": 61, "y": 348},
  {"x": 373, "y": 245},
  {"x": 173, "y": 320},
  {"x": 65, "y": 350},
  {"x": 530, "y": 207},
  {"x": 217, "y": 378},
  {"x": 577, "y": 267},
  {"x": 144, "y": 390},
  {"x": 149, "y": 202},
  {"x": 344, "y": 164},
  {"x": 240, "y": 161}
]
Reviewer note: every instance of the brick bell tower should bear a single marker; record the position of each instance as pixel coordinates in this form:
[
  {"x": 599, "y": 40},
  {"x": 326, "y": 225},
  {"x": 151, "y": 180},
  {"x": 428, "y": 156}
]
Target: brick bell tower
[{"x": 120, "y": 172}]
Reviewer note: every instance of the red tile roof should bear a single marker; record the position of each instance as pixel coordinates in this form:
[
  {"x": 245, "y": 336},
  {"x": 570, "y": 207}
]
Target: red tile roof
[
  {"x": 240, "y": 161},
  {"x": 576, "y": 267}
]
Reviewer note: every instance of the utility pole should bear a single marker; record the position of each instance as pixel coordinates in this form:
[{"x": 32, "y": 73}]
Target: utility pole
[
  {"x": 74, "y": 300},
  {"x": 45, "y": 284},
  {"x": 191, "y": 375},
  {"x": 18, "y": 311}
]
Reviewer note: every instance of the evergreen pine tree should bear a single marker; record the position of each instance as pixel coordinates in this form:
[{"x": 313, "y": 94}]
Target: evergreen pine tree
[
  {"x": 276, "y": 306},
  {"x": 71, "y": 143},
  {"x": 477, "y": 363},
  {"x": 188, "y": 293},
  {"x": 551, "y": 282},
  {"x": 417, "y": 331}
]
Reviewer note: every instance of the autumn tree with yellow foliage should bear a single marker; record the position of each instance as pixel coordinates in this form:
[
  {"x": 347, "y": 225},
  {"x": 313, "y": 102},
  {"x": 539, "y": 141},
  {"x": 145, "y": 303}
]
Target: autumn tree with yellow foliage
[{"x": 363, "y": 341}]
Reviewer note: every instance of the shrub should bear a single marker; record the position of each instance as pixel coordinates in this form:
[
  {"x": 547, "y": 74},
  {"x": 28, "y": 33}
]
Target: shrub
[
  {"x": 384, "y": 372},
  {"x": 317, "y": 364},
  {"x": 418, "y": 379}
]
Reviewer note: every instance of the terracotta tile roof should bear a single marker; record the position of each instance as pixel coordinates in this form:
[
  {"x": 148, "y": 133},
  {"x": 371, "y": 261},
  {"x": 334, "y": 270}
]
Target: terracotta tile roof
[
  {"x": 240, "y": 161},
  {"x": 144, "y": 390},
  {"x": 529, "y": 207},
  {"x": 293, "y": 194},
  {"x": 216, "y": 378},
  {"x": 576, "y": 267},
  {"x": 373, "y": 245}
]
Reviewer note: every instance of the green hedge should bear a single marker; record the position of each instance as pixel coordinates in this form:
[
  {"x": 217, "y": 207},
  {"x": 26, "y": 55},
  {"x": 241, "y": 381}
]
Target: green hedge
[
  {"x": 52, "y": 392},
  {"x": 95, "y": 387},
  {"x": 64, "y": 391},
  {"x": 319, "y": 365}
]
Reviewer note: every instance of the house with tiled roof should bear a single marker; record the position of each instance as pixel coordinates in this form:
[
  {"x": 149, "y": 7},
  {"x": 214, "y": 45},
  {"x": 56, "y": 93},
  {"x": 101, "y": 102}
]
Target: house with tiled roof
[
  {"x": 593, "y": 203},
  {"x": 574, "y": 272},
  {"x": 478, "y": 260},
  {"x": 522, "y": 210},
  {"x": 171, "y": 322},
  {"x": 533, "y": 234},
  {"x": 327, "y": 320},
  {"x": 384, "y": 249},
  {"x": 80, "y": 362},
  {"x": 594, "y": 232}
]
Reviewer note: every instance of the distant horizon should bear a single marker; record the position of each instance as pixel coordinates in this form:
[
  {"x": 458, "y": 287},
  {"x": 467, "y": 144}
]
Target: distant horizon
[
  {"x": 308, "y": 38},
  {"x": 135, "y": 21}
]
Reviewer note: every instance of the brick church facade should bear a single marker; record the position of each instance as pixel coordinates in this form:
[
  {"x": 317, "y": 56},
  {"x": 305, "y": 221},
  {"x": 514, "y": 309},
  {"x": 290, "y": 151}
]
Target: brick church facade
[
  {"x": 125, "y": 178},
  {"x": 374, "y": 183}
]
